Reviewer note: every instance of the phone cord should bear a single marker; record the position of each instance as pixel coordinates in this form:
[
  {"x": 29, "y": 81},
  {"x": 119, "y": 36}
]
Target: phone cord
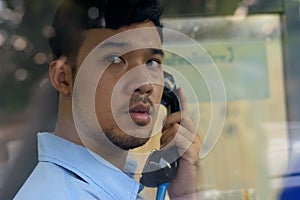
[{"x": 161, "y": 191}]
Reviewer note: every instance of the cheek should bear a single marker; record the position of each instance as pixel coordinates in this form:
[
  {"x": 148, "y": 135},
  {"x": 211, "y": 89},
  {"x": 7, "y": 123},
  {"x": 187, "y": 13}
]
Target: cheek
[
  {"x": 104, "y": 90},
  {"x": 158, "y": 94},
  {"x": 107, "y": 89},
  {"x": 103, "y": 99}
]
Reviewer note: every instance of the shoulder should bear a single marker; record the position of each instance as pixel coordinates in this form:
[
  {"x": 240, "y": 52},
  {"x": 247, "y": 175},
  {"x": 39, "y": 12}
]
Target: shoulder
[
  {"x": 45, "y": 182},
  {"x": 49, "y": 181}
]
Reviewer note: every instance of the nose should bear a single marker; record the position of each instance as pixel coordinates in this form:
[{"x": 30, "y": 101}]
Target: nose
[
  {"x": 142, "y": 78},
  {"x": 145, "y": 89}
]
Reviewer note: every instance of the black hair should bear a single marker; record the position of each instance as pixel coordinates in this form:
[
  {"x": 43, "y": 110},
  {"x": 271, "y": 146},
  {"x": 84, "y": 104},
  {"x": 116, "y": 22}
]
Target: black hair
[{"x": 75, "y": 16}]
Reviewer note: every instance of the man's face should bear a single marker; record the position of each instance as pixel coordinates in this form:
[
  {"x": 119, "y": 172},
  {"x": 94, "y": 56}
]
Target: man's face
[{"x": 130, "y": 87}]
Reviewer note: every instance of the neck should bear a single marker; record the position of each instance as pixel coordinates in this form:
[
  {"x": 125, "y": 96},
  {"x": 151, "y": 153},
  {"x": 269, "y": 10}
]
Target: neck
[
  {"x": 98, "y": 143},
  {"x": 102, "y": 146},
  {"x": 106, "y": 150}
]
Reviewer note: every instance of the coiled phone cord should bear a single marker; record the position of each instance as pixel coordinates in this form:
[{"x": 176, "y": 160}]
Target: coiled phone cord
[{"x": 161, "y": 191}]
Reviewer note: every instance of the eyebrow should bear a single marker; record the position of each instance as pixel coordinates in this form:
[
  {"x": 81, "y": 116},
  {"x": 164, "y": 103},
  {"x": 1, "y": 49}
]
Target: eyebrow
[
  {"x": 157, "y": 51},
  {"x": 114, "y": 45},
  {"x": 122, "y": 45}
]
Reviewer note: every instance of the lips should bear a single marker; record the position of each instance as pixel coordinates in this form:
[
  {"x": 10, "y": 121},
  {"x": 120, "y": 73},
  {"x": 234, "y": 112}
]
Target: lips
[{"x": 140, "y": 114}]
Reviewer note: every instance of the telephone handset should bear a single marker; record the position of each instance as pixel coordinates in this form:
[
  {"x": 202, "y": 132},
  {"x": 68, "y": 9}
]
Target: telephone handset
[{"x": 161, "y": 165}]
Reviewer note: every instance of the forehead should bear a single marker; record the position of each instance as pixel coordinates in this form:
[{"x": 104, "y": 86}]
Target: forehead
[{"x": 125, "y": 39}]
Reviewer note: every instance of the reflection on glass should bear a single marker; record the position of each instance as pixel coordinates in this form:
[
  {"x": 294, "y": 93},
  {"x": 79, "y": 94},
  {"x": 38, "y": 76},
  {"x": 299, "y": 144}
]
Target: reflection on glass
[{"x": 252, "y": 150}]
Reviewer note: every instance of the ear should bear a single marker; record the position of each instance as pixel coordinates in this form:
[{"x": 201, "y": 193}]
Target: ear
[{"x": 61, "y": 76}]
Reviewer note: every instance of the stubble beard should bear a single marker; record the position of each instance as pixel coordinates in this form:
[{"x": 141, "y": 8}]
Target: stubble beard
[{"x": 123, "y": 140}]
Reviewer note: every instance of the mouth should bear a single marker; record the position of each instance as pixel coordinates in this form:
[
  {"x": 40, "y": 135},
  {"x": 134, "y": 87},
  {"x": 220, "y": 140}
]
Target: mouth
[{"x": 140, "y": 114}]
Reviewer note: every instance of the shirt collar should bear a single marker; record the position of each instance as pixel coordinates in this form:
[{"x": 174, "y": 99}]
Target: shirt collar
[{"x": 90, "y": 167}]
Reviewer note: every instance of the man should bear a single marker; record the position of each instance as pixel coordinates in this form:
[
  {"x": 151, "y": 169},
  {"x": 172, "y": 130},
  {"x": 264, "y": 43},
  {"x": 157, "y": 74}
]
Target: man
[{"x": 110, "y": 82}]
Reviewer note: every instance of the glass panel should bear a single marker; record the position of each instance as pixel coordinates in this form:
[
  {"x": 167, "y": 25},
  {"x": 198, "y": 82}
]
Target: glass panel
[
  {"x": 252, "y": 149},
  {"x": 250, "y": 155},
  {"x": 27, "y": 101},
  {"x": 292, "y": 53},
  {"x": 220, "y": 7}
]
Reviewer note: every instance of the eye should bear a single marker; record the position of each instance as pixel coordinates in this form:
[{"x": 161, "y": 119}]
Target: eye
[
  {"x": 114, "y": 59},
  {"x": 153, "y": 63}
]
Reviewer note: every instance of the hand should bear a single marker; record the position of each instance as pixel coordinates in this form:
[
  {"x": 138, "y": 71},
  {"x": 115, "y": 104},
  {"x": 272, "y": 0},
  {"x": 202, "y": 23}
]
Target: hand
[{"x": 179, "y": 130}]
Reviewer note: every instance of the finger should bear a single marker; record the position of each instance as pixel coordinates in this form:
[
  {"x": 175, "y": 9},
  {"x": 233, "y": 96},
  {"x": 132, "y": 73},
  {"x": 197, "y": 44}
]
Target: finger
[
  {"x": 186, "y": 118},
  {"x": 185, "y": 133},
  {"x": 168, "y": 135},
  {"x": 188, "y": 148},
  {"x": 183, "y": 99},
  {"x": 187, "y": 122},
  {"x": 179, "y": 117},
  {"x": 180, "y": 144},
  {"x": 173, "y": 118},
  {"x": 177, "y": 135}
]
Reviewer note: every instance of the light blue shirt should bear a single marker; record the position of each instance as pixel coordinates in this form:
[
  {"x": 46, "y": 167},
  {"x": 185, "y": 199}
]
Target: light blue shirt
[{"x": 67, "y": 171}]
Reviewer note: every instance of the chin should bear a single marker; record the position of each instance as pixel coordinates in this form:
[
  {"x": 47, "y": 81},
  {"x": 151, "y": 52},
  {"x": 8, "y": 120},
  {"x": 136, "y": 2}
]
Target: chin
[
  {"x": 125, "y": 141},
  {"x": 132, "y": 143}
]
